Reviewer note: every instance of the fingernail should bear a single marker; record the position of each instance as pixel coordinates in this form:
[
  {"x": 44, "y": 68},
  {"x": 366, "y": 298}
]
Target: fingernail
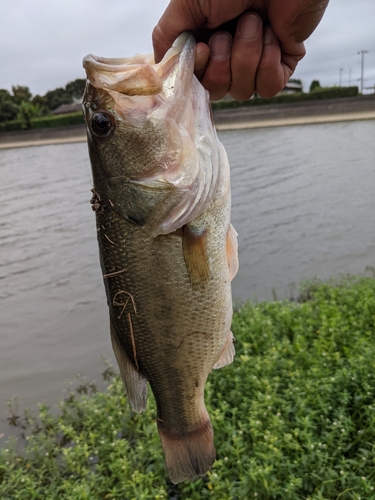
[
  {"x": 248, "y": 26},
  {"x": 269, "y": 36},
  {"x": 220, "y": 46}
]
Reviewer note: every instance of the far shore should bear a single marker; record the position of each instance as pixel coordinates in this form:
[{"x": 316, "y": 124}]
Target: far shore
[{"x": 246, "y": 117}]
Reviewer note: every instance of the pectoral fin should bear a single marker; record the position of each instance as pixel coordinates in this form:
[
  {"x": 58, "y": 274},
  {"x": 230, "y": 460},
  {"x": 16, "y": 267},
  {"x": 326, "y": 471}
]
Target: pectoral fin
[
  {"x": 232, "y": 251},
  {"x": 135, "y": 383},
  {"x": 194, "y": 248},
  {"x": 227, "y": 353}
]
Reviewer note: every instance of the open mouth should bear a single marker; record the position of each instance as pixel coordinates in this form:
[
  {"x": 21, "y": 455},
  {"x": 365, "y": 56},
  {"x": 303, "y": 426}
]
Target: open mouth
[{"x": 139, "y": 75}]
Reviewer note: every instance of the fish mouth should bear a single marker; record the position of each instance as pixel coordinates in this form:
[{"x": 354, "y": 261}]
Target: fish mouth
[
  {"x": 164, "y": 102},
  {"x": 140, "y": 76}
]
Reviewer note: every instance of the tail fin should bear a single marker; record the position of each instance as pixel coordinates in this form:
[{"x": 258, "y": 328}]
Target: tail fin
[{"x": 188, "y": 456}]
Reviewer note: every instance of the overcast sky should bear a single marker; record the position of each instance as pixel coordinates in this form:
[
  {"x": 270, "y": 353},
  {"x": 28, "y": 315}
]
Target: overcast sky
[{"x": 42, "y": 42}]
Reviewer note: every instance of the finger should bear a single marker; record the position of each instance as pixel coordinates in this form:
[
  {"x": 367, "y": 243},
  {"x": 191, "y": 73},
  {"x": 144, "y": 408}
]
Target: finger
[
  {"x": 271, "y": 64},
  {"x": 294, "y": 21},
  {"x": 189, "y": 15},
  {"x": 245, "y": 55},
  {"x": 202, "y": 55},
  {"x": 217, "y": 77}
]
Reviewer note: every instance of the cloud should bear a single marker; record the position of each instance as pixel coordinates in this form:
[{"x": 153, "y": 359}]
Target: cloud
[
  {"x": 42, "y": 43},
  {"x": 346, "y": 29}
]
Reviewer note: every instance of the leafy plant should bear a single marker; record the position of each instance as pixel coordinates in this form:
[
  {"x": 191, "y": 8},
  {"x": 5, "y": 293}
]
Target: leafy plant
[
  {"x": 26, "y": 112},
  {"x": 315, "y": 84},
  {"x": 294, "y": 416},
  {"x": 8, "y": 109},
  {"x": 21, "y": 94}
]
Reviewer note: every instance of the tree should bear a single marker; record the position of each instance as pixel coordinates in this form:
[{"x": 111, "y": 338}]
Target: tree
[
  {"x": 21, "y": 94},
  {"x": 57, "y": 97},
  {"x": 26, "y": 112},
  {"x": 315, "y": 85},
  {"x": 8, "y": 110},
  {"x": 41, "y": 102},
  {"x": 76, "y": 88},
  {"x": 14, "y": 104}
]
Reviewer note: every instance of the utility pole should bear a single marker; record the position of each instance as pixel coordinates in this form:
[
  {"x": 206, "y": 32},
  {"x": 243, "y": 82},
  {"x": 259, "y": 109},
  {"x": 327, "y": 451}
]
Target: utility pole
[
  {"x": 350, "y": 74},
  {"x": 340, "y": 73},
  {"x": 362, "y": 52}
]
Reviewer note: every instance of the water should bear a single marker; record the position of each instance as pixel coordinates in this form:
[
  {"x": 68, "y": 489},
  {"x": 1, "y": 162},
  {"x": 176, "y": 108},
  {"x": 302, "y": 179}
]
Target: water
[{"x": 303, "y": 205}]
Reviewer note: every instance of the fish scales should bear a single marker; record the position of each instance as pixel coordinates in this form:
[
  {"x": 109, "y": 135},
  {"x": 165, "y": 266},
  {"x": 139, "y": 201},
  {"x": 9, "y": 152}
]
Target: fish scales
[{"x": 167, "y": 250}]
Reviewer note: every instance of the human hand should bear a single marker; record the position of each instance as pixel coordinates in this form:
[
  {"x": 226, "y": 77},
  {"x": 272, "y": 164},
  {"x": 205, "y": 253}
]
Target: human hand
[{"x": 243, "y": 46}]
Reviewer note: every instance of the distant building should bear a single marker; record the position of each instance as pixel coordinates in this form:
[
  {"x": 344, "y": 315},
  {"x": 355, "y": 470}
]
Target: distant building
[
  {"x": 67, "y": 108},
  {"x": 291, "y": 88}
]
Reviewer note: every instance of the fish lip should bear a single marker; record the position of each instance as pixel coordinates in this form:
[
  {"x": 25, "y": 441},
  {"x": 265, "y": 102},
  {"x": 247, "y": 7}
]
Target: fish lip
[
  {"x": 119, "y": 63},
  {"x": 140, "y": 75}
]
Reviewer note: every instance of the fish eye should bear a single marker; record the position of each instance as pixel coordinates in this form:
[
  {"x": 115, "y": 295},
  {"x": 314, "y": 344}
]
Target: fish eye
[{"x": 101, "y": 124}]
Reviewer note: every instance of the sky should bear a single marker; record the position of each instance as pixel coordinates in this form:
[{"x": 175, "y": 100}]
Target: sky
[{"x": 42, "y": 42}]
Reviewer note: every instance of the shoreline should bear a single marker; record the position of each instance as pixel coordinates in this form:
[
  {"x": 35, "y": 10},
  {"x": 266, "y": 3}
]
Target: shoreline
[
  {"x": 42, "y": 142},
  {"x": 242, "y": 117},
  {"x": 293, "y": 121}
]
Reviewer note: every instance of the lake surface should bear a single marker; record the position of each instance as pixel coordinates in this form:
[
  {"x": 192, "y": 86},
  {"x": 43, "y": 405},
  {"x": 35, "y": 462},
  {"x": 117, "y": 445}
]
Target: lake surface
[{"x": 303, "y": 205}]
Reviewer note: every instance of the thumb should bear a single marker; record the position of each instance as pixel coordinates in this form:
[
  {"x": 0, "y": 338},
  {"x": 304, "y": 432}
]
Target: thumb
[{"x": 179, "y": 16}]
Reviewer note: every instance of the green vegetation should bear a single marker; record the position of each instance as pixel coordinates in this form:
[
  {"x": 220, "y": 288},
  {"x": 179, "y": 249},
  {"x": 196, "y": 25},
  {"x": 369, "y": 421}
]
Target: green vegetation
[
  {"x": 8, "y": 108},
  {"x": 319, "y": 93},
  {"x": 294, "y": 416},
  {"x": 315, "y": 84},
  {"x": 26, "y": 112},
  {"x": 19, "y": 108},
  {"x": 45, "y": 122}
]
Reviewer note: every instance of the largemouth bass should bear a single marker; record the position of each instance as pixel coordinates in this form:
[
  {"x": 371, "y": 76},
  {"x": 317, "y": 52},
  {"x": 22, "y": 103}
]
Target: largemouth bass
[{"x": 161, "y": 194}]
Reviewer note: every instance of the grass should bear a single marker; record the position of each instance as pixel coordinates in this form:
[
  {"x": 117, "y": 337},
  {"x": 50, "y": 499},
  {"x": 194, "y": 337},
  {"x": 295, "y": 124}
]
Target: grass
[{"x": 294, "y": 416}]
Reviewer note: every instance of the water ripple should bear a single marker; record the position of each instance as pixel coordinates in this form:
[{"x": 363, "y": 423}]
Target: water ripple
[{"x": 302, "y": 204}]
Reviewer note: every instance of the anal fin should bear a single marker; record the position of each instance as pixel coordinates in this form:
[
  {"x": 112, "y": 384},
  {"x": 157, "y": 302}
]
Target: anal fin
[
  {"x": 135, "y": 383},
  {"x": 227, "y": 354}
]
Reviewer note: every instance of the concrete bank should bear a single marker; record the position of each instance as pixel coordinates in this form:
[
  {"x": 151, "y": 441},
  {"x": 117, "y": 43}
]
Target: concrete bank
[
  {"x": 43, "y": 137},
  {"x": 277, "y": 115},
  {"x": 302, "y": 120}
]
